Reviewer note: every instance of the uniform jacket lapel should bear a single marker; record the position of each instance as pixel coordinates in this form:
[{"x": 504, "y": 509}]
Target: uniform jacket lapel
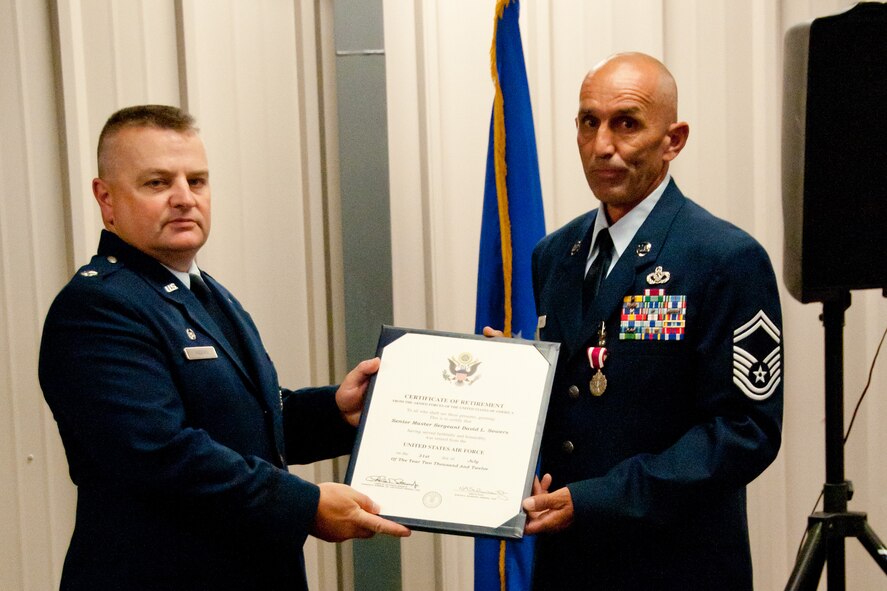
[
  {"x": 267, "y": 388},
  {"x": 252, "y": 343},
  {"x": 567, "y": 309}
]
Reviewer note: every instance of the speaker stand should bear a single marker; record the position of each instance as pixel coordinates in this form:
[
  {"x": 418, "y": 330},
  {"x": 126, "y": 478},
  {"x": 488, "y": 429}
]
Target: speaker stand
[{"x": 826, "y": 530}]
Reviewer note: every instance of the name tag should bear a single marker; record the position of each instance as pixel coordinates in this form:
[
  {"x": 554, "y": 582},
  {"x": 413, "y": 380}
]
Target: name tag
[{"x": 197, "y": 353}]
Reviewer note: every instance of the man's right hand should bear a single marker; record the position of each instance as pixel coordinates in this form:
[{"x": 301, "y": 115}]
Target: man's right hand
[{"x": 344, "y": 513}]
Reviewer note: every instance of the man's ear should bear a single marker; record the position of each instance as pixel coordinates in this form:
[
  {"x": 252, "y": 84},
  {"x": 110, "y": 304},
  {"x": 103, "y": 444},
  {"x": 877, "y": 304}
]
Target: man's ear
[
  {"x": 676, "y": 139},
  {"x": 102, "y": 194}
]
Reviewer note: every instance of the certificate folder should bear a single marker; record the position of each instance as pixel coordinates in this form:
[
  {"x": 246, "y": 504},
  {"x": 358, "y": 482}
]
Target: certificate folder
[{"x": 452, "y": 425}]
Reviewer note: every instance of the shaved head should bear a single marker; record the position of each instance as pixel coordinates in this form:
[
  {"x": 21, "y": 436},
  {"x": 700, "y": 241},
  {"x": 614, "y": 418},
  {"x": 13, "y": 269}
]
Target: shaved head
[{"x": 664, "y": 89}]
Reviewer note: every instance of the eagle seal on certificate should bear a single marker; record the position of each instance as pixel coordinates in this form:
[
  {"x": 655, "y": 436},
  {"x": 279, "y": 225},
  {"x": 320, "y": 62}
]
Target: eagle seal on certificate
[{"x": 463, "y": 369}]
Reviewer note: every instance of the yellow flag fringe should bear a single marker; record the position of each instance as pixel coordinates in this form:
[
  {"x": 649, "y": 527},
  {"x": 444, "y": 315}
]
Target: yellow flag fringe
[
  {"x": 502, "y": 580},
  {"x": 502, "y": 196}
]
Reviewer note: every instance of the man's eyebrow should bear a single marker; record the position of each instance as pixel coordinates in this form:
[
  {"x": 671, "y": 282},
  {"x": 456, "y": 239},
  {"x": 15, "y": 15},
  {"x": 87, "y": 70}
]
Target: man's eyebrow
[
  {"x": 155, "y": 171},
  {"x": 166, "y": 172},
  {"x": 632, "y": 110}
]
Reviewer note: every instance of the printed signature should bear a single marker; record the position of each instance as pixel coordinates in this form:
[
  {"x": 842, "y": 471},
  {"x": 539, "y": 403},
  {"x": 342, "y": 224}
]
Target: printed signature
[
  {"x": 472, "y": 491},
  {"x": 392, "y": 482}
]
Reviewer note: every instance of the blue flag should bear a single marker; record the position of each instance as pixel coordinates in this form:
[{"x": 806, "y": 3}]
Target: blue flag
[{"x": 513, "y": 222}]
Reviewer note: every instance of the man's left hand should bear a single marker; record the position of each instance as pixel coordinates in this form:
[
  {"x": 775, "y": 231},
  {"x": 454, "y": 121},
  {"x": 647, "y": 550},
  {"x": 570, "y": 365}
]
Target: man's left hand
[
  {"x": 548, "y": 512},
  {"x": 349, "y": 396}
]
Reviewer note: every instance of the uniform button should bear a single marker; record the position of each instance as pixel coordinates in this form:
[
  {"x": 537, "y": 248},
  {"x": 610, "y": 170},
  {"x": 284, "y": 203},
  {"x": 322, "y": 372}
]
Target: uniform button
[
  {"x": 112, "y": 259},
  {"x": 568, "y": 447},
  {"x": 573, "y": 391}
]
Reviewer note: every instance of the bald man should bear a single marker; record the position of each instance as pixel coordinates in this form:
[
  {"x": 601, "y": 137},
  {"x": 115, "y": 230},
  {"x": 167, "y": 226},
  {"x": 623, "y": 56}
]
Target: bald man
[{"x": 667, "y": 400}]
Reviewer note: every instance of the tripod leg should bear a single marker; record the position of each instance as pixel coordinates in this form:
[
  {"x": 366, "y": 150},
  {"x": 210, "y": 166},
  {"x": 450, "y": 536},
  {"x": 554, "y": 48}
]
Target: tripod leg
[
  {"x": 874, "y": 546},
  {"x": 837, "y": 564},
  {"x": 811, "y": 558}
]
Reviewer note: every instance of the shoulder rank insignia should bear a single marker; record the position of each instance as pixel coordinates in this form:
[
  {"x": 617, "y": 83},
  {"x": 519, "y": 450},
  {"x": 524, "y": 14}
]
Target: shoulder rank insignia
[{"x": 757, "y": 361}]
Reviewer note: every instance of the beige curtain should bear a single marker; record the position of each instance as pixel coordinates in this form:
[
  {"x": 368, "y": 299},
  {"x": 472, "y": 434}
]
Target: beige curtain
[
  {"x": 68, "y": 63},
  {"x": 727, "y": 58}
]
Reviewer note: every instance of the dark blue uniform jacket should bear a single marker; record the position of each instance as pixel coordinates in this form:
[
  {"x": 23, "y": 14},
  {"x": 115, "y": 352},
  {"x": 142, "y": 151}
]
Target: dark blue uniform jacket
[
  {"x": 179, "y": 464},
  {"x": 657, "y": 465}
]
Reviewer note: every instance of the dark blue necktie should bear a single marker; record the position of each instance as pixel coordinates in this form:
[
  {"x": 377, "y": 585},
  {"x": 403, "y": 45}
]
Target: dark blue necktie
[
  {"x": 598, "y": 270},
  {"x": 200, "y": 289}
]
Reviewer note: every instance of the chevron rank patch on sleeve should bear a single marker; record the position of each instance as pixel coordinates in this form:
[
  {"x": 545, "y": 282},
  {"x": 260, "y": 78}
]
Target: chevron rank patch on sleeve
[{"x": 757, "y": 361}]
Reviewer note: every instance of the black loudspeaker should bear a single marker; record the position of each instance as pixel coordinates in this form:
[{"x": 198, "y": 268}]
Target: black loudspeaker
[{"x": 834, "y": 154}]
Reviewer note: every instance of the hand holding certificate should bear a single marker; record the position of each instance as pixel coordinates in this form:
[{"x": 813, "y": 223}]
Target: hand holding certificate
[{"x": 451, "y": 430}]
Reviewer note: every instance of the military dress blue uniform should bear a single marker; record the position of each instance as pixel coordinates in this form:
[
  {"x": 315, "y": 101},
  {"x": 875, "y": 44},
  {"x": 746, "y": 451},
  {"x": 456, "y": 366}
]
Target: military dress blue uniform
[
  {"x": 657, "y": 465},
  {"x": 177, "y": 445}
]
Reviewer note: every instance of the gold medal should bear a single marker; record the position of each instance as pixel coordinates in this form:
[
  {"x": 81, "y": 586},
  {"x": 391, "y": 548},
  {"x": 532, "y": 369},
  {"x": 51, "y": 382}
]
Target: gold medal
[{"x": 598, "y": 383}]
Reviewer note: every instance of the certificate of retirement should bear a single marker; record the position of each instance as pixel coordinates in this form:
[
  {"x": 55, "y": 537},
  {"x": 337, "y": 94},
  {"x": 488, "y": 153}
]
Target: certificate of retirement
[{"x": 451, "y": 429}]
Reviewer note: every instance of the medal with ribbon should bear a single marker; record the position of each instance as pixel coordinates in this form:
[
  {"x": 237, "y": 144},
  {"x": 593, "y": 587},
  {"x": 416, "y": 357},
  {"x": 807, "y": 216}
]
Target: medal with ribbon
[{"x": 596, "y": 357}]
